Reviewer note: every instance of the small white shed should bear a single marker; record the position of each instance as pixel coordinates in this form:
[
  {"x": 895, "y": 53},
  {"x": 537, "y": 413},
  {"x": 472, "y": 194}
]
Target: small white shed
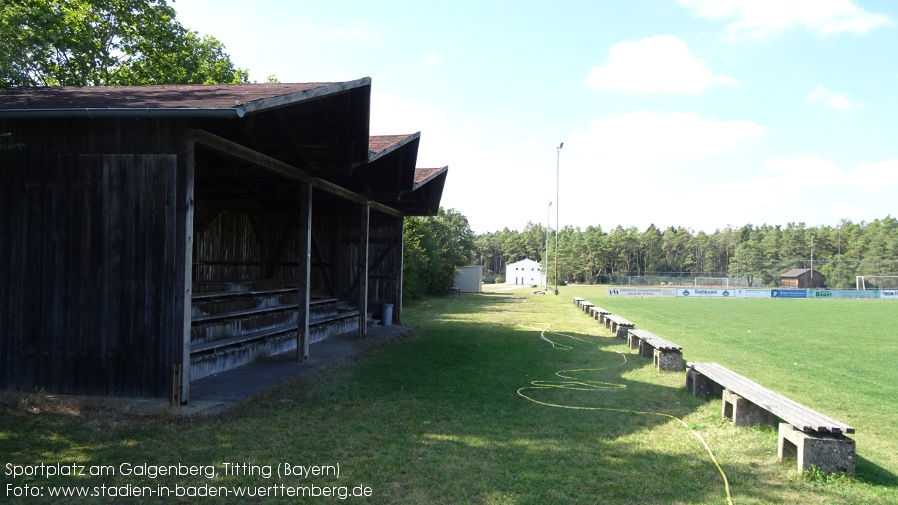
[
  {"x": 469, "y": 279},
  {"x": 524, "y": 272}
]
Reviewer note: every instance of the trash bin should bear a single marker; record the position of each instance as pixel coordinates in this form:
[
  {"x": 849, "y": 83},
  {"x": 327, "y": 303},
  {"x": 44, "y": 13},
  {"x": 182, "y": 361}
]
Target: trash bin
[{"x": 387, "y": 318}]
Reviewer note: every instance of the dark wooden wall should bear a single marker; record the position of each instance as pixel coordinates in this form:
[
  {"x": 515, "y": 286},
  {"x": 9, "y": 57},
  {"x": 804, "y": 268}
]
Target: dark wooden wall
[
  {"x": 92, "y": 255},
  {"x": 94, "y": 248},
  {"x": 232, "y": 242}
]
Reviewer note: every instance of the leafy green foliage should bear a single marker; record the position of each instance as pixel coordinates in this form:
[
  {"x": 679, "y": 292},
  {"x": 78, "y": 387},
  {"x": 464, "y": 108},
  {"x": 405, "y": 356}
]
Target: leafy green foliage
[
  {"x": 105, "y": 43},
  {"x": 434, "y": 248},
  {"x": 759, "y": 253}
]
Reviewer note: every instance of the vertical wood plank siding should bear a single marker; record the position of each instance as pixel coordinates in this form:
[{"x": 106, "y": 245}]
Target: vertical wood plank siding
[{"x": 92, "y": 263}]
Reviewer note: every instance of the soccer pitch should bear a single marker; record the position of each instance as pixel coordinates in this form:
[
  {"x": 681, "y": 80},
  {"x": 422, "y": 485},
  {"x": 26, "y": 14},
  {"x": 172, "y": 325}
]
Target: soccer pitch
[{"x": 835, "y": 356}]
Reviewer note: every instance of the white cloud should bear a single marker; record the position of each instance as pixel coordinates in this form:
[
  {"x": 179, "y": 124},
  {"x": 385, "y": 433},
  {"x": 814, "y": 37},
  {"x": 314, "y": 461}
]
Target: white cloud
[
  {"x": 803, "y": 172},
  {"x": 760, "y": 18},
  {"x": 880, "y": 175},
  {"x": 656, "y": 64},
  {"x": 645, "y": 137},
  {"x": 813, "y": 171},
  {"x": 832, "y": 99}
]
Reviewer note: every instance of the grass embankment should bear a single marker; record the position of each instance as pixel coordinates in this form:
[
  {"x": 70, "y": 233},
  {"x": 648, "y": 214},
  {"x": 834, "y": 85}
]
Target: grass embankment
[{"x": 437, "y": 418}]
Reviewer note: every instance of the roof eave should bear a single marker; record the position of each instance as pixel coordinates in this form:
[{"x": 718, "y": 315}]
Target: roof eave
[
  {"x": 395, "y": 147},
  {"x": 431, "y": 177},
  {"x": 127, "y": 112},
  {"x": 301, "y": 96}
]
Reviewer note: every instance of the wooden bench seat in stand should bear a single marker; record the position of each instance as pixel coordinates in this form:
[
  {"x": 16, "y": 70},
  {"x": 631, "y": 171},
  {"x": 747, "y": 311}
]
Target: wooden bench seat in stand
[
  {"x": 618, "y": 325},
  {"x": 667, "y": 355},
  {"x": 809, "y": 436}
]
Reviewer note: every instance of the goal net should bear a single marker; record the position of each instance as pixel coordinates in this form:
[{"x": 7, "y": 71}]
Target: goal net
[
  {"x": 865, "y": 282},
  {"x": 712, "y": 282}
]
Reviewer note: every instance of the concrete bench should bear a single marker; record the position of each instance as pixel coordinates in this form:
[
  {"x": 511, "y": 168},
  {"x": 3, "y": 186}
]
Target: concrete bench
[
  {"x": 577, "y": 300},
  {"x": 809, "y": 436},
  {"x": 598, "y": 313},
  {"x": 618, "y": 325},
  {"x": 667, "y": 355},
  {"x": 585, "y": 306}
]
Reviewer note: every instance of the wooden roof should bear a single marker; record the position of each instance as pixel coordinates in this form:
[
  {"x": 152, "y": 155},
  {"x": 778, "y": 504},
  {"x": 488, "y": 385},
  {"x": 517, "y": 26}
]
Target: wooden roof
[
  {"x": 795, "y": 272},
  {"x": 319, "y": 128},
  {"x": 140, "y": 100}
]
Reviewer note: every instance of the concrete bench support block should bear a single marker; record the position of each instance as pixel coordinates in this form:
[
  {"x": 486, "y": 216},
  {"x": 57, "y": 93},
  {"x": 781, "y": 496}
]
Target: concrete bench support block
[
  {"x": 701, "y": 386},
  {"x": 829, "y": 453},
  {"x": 645, "y": 350},
  {"x": 743, "y": 412},
  {"x": 668, "y": 361}
]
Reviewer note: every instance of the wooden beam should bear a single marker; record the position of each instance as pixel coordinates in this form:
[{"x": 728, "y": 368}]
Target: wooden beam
[
  {"x": 187, "y": 323},
  {"x": 305, "y": 274},
  {"x": 364, "y": 223},
  {"x": 397, "y": 305},
  {"x": 226, "y": 147},
  {"x": 293, "y": 140}
]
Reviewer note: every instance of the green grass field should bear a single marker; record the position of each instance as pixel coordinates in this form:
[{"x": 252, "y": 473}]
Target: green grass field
[
  {"x": 443, "y": 416},
  {"x": 832, "y": 355}
]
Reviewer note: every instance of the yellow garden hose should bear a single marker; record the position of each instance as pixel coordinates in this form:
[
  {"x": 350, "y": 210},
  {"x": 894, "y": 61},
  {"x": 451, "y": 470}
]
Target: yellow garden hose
[{"x": 576, "y": 384}]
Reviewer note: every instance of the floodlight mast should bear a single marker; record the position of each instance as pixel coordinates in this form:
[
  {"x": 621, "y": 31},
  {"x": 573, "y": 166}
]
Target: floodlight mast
[
  {"x": 557, "y": 229},
  {"x": 548, "y": 224}
]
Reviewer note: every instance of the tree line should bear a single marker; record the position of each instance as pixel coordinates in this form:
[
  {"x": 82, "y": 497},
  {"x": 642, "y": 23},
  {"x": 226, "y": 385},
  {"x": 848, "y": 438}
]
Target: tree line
[{"x": 759, "y": 254}]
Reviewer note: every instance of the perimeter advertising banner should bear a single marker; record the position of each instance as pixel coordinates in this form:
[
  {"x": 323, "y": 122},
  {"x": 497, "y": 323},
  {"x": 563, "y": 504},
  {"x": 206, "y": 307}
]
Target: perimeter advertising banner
[
  {"x": 889, "y": 294},
  {"x": 843, "y": 293},
  {"x": 752, "y": 293},
  {"x": 707, "y": 293},
  {"x": 640, "y": 292},
  {"x": 788, "y": 293}
]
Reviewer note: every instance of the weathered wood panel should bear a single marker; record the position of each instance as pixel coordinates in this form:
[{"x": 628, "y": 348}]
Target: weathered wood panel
[{"x": 93, "y": 273}]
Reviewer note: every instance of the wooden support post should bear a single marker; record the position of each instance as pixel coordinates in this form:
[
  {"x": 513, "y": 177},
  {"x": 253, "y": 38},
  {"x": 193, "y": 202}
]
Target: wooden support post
[
  {"x": 364, "y": 225},
  {"x": 400, "y": 246},
  {"x": 305, "y": 271},
  {"x": 174, "y": 397},
  {"x": 186, "y": 323}
]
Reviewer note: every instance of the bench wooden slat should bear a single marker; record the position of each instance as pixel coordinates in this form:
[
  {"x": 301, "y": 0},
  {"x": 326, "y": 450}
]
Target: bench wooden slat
[
  {"x": 655, "y": 341},
  {"x": 796, "y": 414},
  {"x": 618, "y": 320}
]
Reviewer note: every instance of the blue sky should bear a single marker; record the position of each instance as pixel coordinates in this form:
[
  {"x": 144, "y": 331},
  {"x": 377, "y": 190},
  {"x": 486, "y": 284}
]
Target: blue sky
[{"x": 693, "y": 113}]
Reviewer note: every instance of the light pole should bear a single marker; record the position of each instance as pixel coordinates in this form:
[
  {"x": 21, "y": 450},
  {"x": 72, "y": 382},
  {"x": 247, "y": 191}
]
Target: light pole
[
  {"x": 546, "y": 270},
  {"x": 557, "y": 179},
  {"x": 840, "y": 256},
  {"x": 812, "y": 261}
]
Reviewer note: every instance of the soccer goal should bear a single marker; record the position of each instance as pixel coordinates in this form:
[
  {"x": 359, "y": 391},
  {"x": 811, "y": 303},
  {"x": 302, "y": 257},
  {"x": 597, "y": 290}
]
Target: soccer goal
[
  {"x": 865, "y": 282},
  {"x": 712, "y": 282}
]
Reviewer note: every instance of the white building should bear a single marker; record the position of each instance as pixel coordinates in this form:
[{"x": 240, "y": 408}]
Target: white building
[
  {"x": 525, "y": 272},
  {"x": 469, "y": 279}
]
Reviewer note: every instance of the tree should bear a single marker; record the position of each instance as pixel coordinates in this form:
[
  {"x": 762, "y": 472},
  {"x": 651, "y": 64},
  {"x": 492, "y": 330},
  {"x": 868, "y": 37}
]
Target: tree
[
  {"x": 104, "y": 43},
  {"x": 434, "y": 248}
]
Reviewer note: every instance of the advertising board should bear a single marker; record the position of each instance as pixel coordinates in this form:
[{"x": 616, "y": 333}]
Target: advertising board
[
  {"x": 842, "y": 293},
  {"x": 706, "y": 293},
  {"x": 788, "y": 293},
  {"x": 752, "y": 293},
  {"x": 889, "y": 294},
  {"x": 640, "y": 292}
]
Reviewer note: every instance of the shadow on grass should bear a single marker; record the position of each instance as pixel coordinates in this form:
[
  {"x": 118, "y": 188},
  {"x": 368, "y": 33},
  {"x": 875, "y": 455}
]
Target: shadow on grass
[
  {"x": 871, "y": 473},
  {"x": 436, "y": 418}
]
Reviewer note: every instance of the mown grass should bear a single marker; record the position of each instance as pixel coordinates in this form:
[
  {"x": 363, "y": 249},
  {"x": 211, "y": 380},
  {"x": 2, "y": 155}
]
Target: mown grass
[
  {"x": 834, "y": 355},
  {"x": 437, "y": 418}
]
